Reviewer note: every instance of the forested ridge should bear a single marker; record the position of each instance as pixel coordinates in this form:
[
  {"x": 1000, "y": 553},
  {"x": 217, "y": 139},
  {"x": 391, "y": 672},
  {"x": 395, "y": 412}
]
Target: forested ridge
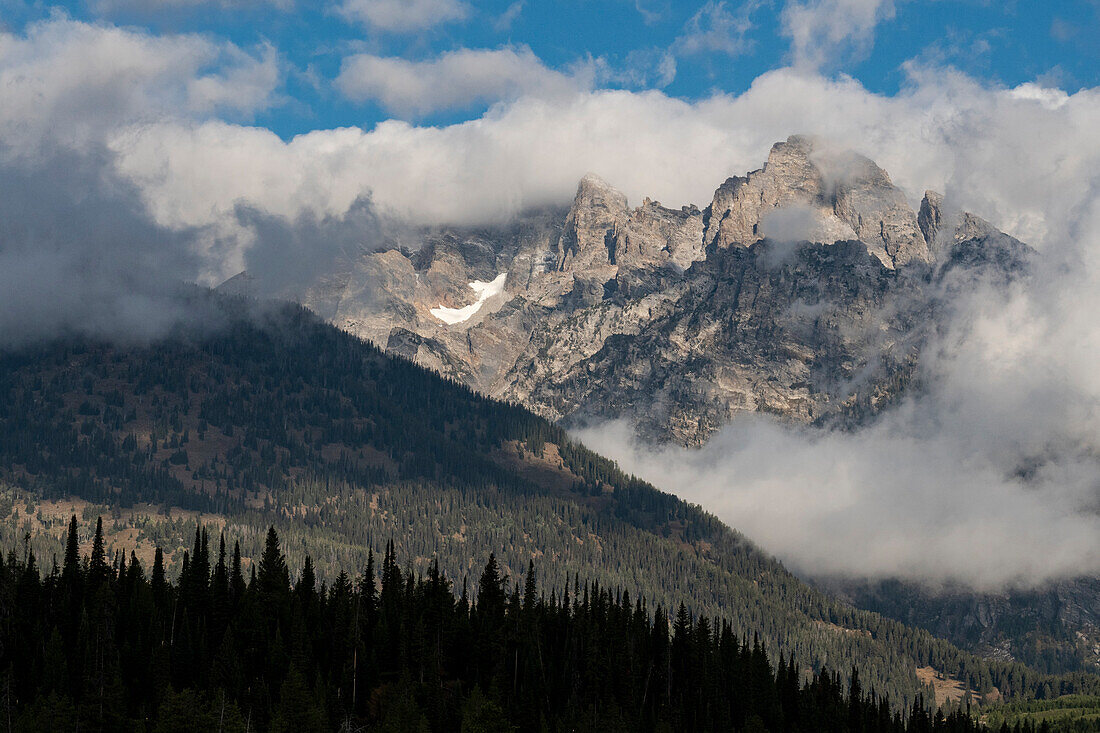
[
  {"x": 99, "y": 644},
  {"x": 273, "y": 418}
]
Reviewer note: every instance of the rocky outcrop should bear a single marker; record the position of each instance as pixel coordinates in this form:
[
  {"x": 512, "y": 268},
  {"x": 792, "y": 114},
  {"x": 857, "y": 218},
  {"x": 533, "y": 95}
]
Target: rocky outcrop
[
  {"x": 603, "y": 236},
  {"x": 840, "y": 195},
  {"x": 653, "y": 236},
  {"x": 930, "y": 217},
  {"x": 962, "y": 241},
  {"x": 587, "y": 240},
  {"x": 794, "y": 339}
]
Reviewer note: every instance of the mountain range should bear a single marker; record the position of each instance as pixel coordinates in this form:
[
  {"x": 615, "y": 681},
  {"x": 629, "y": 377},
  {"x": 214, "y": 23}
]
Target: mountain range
[{"x": 805, "y": 291}]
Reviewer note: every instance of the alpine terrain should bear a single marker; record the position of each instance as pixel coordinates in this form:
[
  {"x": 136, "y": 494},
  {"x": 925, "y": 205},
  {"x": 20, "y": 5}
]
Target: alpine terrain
[{"x": 804, "y": 290}]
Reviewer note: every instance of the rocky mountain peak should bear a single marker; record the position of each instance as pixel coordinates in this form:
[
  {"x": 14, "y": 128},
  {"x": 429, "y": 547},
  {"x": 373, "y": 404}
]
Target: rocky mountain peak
[
  {"x": 837, "y": 195},
  {"x": 807, "y": 190},
  {"x": 598, "y": 208},
  {"x": 594, "y": 188},
  {"x": 946, "y": 228},
  {"x": 602, "y": 233},
  {"x": 930, "y": 216},
  {"x": 790, "y": 172}
]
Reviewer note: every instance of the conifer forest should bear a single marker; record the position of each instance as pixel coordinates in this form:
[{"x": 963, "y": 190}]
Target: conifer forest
[{"x": 101, "y": 643}]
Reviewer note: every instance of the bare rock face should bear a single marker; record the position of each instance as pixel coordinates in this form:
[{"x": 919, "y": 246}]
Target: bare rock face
[
  {"x": 803, "y": 290},
  {"x": 960, "y": 240},
  {"x": 653, "y": 236},
  {"x": 739, "y": 334},
  {"x": 843, "y": 195},
  {"x": 930, "y": 217},
  {"x": 944, "y": 228},
  {"x": 868, "y": 201},
  {"x": 588, "y": 236}
]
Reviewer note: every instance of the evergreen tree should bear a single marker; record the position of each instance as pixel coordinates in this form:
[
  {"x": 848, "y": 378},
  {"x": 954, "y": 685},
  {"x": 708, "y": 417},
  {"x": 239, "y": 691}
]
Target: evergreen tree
[
  {"x": 71, "y": 572},
  {"x": 530, "y": 588},
  {"x": 273, "y": 576},
  {"x": 98, "y": 570},
  {"x": 236, "y": 577},
  {"x": 159, "y": 581},
  {"x": 298, "y": 708}
]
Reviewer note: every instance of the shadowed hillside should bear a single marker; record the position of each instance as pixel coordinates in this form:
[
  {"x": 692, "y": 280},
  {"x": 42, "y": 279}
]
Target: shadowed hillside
[{"x": 277, "y": 418}]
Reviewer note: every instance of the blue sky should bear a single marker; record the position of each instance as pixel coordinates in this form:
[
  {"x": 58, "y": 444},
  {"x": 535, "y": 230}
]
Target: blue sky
[{"x": 688, "y": 49}]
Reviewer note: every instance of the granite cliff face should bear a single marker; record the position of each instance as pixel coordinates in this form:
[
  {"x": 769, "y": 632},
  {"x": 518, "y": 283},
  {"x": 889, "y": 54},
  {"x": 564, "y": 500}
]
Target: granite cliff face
[
  {"x": 805, "y": 290},
  {"x": 835, "y": 196}
]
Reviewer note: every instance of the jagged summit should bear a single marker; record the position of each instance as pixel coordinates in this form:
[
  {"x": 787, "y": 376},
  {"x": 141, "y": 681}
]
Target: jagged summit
[
  {"x": 841, "y": 195},
  {"x": 593, "y": 184},
  {"x": 243, "y": 283},
  {"x": 930, "y": 216},
  {"x": 597, "y": 209},
  {"x": 943, "y": 227},
  {"x": 806, "y": 191},
  {"x": 602, "y": 233}
]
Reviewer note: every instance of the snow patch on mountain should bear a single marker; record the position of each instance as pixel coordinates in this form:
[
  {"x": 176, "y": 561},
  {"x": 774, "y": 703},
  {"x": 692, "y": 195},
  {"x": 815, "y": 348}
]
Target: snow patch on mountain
[{"x": 484, "y": 290}]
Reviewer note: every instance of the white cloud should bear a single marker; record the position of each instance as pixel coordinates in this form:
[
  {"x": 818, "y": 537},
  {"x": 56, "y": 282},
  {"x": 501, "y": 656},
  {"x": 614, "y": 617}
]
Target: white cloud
[
  {"x": 826, "y": 32},
  {"x": 505, "y": 20},
  {"x": 1049, "y": 98},
  {"x": 78, "y": 251},
  {"x": 883, "y": 502},
  {"x": 716, "y": 29},
  {"x": 246, "y": 85},
  {"x": 455, "y": 80},
  {"x": 666, "y": 70},
  {"x": 944, "y": 131},
  {"x": 74, "y": 81},
  {"x": 643, "y": 68},
  {"x": 404, "y": 16},
  {"x": 651, "y": 15}
]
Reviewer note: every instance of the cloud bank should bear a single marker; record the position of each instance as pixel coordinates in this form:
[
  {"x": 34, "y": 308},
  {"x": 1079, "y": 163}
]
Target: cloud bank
[
  {"x": 79, "y": 252},
  {"x": 1016, "y": 160},
  {"x": 70, "y": 84}
]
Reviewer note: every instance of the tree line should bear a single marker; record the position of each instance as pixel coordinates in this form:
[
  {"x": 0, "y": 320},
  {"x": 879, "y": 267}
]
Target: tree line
[{"x": 100, "y": 644}]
